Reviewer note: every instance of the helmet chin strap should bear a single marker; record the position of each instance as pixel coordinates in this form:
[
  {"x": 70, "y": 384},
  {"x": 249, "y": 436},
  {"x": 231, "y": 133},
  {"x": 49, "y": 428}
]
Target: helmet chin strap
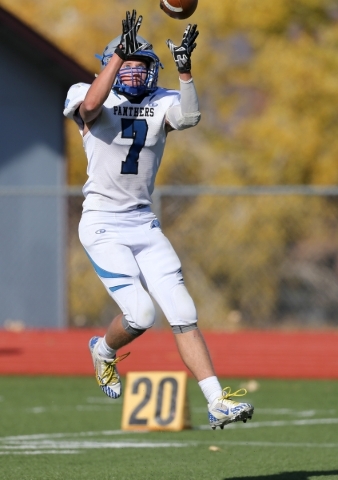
[{"x": 134, "y": 91}]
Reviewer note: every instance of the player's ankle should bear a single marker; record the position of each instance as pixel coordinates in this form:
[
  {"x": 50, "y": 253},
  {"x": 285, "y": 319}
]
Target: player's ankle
[{"x": 105, "y": 350}]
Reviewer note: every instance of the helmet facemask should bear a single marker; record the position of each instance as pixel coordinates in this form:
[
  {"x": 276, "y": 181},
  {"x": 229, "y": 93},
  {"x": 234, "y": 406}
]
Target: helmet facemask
[
  {"x": 133, "y": 77},
  {"x": 143, "y": 80}
]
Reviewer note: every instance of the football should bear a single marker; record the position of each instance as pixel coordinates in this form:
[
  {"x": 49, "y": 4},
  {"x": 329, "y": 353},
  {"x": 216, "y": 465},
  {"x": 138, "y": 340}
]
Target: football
[{"x": 179, "y": 9}]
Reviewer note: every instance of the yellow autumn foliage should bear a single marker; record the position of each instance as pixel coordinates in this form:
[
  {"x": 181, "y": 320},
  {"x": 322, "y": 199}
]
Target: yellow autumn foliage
[{"x": 266, "y": 72}]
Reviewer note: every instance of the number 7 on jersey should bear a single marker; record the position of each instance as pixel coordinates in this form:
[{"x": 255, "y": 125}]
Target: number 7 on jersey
[{"x": 136, "y": 130}]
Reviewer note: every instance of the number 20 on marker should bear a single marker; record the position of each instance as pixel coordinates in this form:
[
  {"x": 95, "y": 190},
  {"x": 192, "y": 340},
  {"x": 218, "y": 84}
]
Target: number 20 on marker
[{"x": 155, "y": 401}]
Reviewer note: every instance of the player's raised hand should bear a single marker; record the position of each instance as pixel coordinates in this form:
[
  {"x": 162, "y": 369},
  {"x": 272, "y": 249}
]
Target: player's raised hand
[
  {"x": 130, "y": 28},
  {"x": 182, "y": 53}
]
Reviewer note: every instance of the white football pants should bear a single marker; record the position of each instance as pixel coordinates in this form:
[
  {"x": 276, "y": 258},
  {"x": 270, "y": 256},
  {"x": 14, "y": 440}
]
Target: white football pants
[{"x": 129, "y": 248}]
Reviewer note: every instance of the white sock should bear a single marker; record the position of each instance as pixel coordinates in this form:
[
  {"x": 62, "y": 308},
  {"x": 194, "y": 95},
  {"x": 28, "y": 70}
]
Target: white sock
[
  {"x": 104, "y": 350},
  {"x": 211, "y": 388}
]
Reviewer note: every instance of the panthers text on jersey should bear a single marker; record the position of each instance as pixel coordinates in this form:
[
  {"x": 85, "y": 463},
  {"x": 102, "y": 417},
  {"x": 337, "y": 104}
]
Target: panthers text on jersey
[{"x": 124, "y": 148}]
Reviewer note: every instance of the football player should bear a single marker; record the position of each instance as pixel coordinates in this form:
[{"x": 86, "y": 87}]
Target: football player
[{"x": 124, "y": 118}]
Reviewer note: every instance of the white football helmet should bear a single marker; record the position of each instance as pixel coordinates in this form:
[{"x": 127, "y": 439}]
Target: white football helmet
[{"x": 144, "y": 53}]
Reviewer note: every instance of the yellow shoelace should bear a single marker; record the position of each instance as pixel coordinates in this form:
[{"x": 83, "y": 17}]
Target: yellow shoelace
[
  {"x": 109, "y": 373},
  {"x": 227, "y": 394}
]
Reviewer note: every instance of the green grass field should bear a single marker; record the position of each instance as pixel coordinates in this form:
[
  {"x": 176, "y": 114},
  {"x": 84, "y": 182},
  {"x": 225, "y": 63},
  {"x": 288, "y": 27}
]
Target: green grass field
[{"x": 66, "y": 429}]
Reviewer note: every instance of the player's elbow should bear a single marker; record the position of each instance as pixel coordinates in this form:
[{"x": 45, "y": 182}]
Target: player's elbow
[
  {"x": 188, "y": 120},
  {"x": 89, "y": 110}
]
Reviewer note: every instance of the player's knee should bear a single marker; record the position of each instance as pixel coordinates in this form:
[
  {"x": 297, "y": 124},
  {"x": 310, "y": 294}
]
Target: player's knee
[
  {"x": 136, "y": 332},
  {"x": 184, "y": 306},
  {"x": 184, "y": 328},
  {"x": 143, "y": 317}
]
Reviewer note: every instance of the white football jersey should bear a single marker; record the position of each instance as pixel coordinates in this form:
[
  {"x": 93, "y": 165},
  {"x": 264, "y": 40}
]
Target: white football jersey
[{"x": 124, "y": 148}]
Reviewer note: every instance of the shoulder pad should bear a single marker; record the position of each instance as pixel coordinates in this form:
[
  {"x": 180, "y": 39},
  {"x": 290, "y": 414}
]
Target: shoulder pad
[{"x": 75, "y": 96}]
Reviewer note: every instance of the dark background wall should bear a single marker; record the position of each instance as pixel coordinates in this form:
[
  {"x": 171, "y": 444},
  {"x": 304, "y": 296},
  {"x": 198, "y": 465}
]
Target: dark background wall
[{"x": 32, "y": 222}]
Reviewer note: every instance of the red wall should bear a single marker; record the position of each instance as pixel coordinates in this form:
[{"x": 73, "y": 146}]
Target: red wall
[{"x": 249, "y": 354}]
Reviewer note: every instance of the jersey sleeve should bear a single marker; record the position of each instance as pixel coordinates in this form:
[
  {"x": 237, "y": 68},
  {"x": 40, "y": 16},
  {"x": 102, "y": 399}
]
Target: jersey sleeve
[
  {"x": 75, "y": 96},
  {"x": 186, "y": 114}
]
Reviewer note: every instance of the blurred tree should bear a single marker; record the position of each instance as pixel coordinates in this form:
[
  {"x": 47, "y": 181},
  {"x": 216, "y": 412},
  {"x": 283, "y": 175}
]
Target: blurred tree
[
  {"x": 268, "y": 93},
  {"x": 266, "y": 74}
]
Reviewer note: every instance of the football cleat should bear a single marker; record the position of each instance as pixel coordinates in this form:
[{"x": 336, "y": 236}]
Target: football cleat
[
  {"x": 106, "y": 372},
  {"x": 224, "y": 410}
]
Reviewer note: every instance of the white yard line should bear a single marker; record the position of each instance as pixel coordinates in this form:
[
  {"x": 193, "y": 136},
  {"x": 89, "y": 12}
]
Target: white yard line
[
  {"x": 74, "y": 443},
  {"x": 281, "y": 411},
  {"x": 34, "y": 447},
  {"x": 95, "y": 404},
  {"x": 278, "y": 423},
  {"x": 104, "y": 399}
]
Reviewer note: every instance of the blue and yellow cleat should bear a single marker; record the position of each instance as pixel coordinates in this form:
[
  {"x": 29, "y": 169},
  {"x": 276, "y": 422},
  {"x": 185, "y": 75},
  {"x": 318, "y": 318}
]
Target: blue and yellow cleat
[
  {"x": 224, "y": 410},
  {"x": 106, "y": 372}
]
